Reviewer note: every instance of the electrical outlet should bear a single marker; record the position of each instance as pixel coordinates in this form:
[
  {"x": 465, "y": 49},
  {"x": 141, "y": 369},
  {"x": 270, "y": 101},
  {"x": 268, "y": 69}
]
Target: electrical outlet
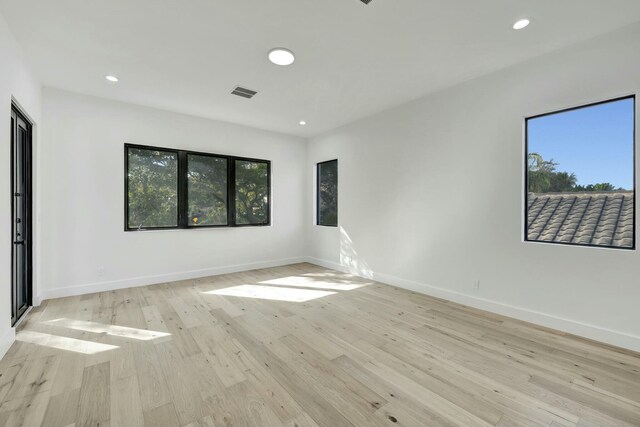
[
  {"x": 100, "y": 271},
  {"x": 476, "y": 284}
]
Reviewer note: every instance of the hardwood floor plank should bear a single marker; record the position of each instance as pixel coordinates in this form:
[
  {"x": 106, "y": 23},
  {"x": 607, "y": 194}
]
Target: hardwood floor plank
[
  {"x": 35, "y": 376},
  {"x": 440, "y": 405},
  {"x": 396, "y": 413},
  {"x": 26, "y": 411},
  {"x": 9, "y": 371},
  {"x": 182, "y": 338},
  {"x": 162, "y": 416},
  {"x": 62, "y": 409},
  {"x": 94, "y": 405},
  {"x": 612, "y": 407},
  {"x": 180, "y": 378},
  {"x": 187, "y": 312},
  {"x": 453, "y": 386},
  {"x": 126, "y": 407},
  {"x": 151, "y": 380},
  {"x": 69, "y": 373},
  {"x": 304, "y": 393},
  {"x": 221, "y": 356}
]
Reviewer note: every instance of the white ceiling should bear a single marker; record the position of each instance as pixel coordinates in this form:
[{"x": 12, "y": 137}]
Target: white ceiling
[{"x": 352, "y": 60}]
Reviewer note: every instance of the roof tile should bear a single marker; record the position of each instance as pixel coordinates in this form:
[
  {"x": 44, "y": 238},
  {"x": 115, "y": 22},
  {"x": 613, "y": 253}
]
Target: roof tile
[{"x": 588, "y": 218}]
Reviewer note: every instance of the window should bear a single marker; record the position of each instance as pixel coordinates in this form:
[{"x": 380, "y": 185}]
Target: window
[
  {"x": 580, "y": 176},
  {"x": 152, "y": 188},
  {"x": 327, "y": 193},
  {"x": 168, "y": 188},
  {"x": 207, "y": 182},
  {"x": 252, "y": 192}
]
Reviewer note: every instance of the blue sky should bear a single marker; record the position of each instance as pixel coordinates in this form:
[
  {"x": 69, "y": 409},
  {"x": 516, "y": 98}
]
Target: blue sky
[{"x": 595, "y": 143}]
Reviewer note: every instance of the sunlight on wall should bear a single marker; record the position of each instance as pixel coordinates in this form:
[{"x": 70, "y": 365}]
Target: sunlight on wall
[
  {"x": 309, "y": 282},
  {"x": 349, "y": 257},
  {"x": 271, "y": 293},
  {"x": 63, "y": 343},
  {"x": 113, "y": 330}
]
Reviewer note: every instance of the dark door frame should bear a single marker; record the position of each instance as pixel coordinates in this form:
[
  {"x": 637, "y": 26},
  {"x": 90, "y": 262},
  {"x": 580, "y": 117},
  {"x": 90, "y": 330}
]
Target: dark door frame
[{"x": 18, "y": 312}]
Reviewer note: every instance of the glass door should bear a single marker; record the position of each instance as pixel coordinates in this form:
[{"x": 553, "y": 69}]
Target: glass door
[{"x": 21, "y": 215}]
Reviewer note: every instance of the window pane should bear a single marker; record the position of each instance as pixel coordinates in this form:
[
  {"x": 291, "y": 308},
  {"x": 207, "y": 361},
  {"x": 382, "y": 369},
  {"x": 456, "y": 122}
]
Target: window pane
[
  {"x": 252, "y": 192},
  {"x": 580, "y": 176},
  {"x": 328, "y": 193},
  {"x": 152, "y": 188},
  {"x": 207, "y": 190}
]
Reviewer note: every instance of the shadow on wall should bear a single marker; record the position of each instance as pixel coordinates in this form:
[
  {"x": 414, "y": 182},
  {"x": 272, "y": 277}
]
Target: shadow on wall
[{"x": 349, "y": 257}]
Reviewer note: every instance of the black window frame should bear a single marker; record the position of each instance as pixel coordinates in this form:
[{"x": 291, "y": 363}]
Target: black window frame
[
  {"x": 183, "y": 189},
  {"x": 318, "y": 166},
  {"x": 526, "y": 174}
]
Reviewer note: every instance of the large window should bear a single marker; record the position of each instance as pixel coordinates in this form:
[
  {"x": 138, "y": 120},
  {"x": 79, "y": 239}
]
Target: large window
[
  {"x": 168, "y": 188},
  {"x": 327, "y": 193},
  {"x": 580, "y": 176}
]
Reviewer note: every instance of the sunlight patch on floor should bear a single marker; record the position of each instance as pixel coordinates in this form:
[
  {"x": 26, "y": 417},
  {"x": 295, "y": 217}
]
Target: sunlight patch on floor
[
  {"x": 271, "y": 293},
  {"x": 63, "y": 343},
  {"x": 306, "y": 282},
  {"x": 113, "y": 330}
]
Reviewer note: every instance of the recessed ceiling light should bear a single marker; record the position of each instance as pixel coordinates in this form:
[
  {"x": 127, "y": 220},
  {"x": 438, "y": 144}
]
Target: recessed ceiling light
[
  {"x": 302, "y": 123},
  {"x": 281, "y": 56},
  {"x": 112, "y": 79},
  {"x": 522, "y": 23}
]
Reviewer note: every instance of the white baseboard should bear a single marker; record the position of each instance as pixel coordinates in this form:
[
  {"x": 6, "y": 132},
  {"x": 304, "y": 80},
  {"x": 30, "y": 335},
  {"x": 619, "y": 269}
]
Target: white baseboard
[
  {"x": 593, "y": 332},
  {"x": 60, "y": 292},
  {"x": 5, "y": 342}
]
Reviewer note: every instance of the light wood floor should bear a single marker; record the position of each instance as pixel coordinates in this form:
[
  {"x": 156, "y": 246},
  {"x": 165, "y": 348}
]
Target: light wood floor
[{"x": 344, "y": 352}]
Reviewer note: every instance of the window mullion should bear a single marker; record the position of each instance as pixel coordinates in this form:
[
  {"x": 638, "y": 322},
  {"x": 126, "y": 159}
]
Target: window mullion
[
  {"x": 231, "y": 191},
  {"x": 183, "y": 189},
  {"x": 268, "y": 193}
]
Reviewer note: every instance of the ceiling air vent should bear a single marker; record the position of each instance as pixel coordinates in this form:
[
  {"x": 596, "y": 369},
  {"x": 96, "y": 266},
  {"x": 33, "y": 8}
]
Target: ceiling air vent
[
  {"x": 243, "y": 92},
  {"x": 366, "y": 1}
]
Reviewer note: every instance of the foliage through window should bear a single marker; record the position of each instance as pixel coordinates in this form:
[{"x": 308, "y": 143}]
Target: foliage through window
[
  {"x": 580, "y": 180},
  {"x": 168, "y": 188},
  {"x": 252, "y": 192},
  {"x": 152, "y": 188},
  {"x": 207, "y": 190},
  {"x": 327, "y": 193}
]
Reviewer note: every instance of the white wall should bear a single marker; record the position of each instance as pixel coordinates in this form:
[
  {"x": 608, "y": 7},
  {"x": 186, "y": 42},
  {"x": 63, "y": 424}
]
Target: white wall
[
  {"x": 431, "y": 197},
  {"x": 83, "y": 198},
  {"x": 17, "y": 82}
]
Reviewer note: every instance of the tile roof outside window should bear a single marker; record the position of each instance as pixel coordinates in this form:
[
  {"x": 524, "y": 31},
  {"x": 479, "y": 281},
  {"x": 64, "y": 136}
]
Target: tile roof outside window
[{"x": 588, "y": 218}]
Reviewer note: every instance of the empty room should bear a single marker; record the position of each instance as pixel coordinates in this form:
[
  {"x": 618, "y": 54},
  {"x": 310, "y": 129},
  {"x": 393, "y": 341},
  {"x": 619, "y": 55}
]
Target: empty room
[{"x": 335, "y": 213}]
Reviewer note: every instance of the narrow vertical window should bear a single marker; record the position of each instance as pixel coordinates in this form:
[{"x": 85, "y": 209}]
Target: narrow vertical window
[
  {"x": 152, "y": 189},
  {"x": 580, "y": 176},
  {"x": 252, "y": 192},
  {"x": 207, "y": 190},
  {"x": 327, "y": 193}
]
